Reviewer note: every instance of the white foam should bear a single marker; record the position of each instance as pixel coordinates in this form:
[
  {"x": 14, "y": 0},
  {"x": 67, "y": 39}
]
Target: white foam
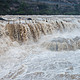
[{"x": 32, "y": 61}]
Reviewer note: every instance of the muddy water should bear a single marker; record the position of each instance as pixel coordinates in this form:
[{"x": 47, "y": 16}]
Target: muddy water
[{"x": 40, "y": 50}]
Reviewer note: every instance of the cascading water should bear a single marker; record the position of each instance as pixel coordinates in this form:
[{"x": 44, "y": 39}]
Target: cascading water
[
  {"x": 61, "y": 44},
  {"x": 22, "y": 32},
  {"x": 40, "y": 50}
]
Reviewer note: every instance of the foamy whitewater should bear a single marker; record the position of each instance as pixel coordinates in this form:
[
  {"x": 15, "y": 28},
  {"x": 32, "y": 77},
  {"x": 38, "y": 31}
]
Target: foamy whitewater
[{"x": 44, "y": 48}]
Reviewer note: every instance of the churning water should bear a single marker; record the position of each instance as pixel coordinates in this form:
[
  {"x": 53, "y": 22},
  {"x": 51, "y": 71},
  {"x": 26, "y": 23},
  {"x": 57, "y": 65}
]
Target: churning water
[{"x": 44, "y": 48}]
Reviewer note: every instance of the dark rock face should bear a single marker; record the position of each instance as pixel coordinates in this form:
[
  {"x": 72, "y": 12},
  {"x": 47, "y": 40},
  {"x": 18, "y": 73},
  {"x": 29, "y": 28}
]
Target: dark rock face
[
  {"x": 29, "y": 19},
  {"x": 39, "y": 7},
  {"x": 65, "y": 1},
  {"x": 2, "y": 19}
]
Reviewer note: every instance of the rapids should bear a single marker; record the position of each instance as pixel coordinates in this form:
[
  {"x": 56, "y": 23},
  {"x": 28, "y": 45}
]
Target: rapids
[{"x": 44, "y": 48}]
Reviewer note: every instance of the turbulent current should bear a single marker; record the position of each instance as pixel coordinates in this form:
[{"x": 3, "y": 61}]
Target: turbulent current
[{"x": 43, "y": 48}]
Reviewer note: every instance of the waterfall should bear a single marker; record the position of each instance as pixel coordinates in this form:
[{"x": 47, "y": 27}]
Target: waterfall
[
  {"x": 61, "y": 44},
  {"x": 40, "y": 49},
  {"x": 33, "y": 31},
  {"x": 26, "y": 32}
]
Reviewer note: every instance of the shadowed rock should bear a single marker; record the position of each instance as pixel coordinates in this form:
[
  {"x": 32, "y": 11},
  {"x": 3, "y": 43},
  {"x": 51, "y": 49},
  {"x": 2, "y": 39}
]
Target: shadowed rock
[
  {"x": 2, "y": 19},
  {"x": 29, "y": 19}
]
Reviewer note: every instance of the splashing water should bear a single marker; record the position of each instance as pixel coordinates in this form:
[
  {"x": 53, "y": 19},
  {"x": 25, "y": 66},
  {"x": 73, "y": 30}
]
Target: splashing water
[{"x": 40, "y": 50}]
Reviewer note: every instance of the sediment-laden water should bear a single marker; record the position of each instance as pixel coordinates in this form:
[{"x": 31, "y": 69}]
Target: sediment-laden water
[{"x": 44, "y": 48}]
